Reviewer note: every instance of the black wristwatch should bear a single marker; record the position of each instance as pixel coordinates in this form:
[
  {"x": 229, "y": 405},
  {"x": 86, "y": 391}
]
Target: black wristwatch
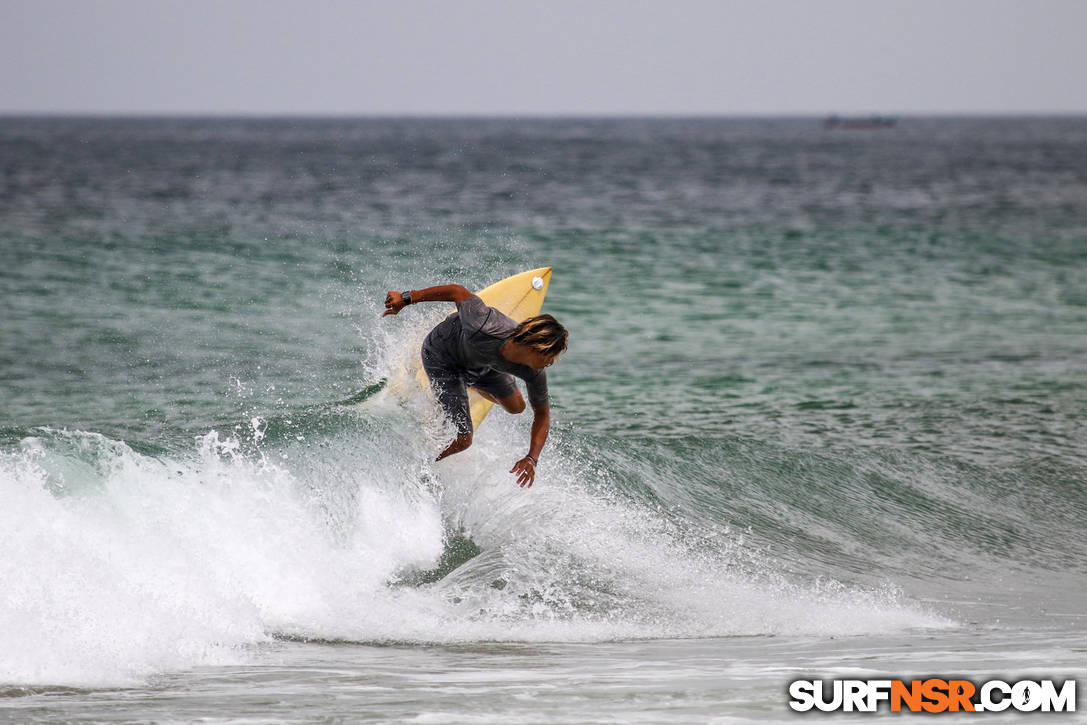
[{"x": 407, "y": 297}]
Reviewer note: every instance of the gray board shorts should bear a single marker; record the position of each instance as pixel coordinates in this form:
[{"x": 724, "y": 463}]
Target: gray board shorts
[{"x": 450, "y": 384}]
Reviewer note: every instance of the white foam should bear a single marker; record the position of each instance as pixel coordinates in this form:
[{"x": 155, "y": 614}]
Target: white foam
[
  {"x": 118, "y": 565},
  {"x": 146, "y": 565}
]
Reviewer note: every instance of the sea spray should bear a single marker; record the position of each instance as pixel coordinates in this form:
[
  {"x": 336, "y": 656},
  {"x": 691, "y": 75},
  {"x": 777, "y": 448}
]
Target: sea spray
[
  {"x": 123, "y": 565},
  {"x": 154, "y": 564},
  {"x": 96, "y": 589}
]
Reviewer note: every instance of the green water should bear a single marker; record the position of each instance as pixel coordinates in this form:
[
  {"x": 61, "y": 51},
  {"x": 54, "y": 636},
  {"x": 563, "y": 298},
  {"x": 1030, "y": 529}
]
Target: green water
[{"x": 820, "y": 384}]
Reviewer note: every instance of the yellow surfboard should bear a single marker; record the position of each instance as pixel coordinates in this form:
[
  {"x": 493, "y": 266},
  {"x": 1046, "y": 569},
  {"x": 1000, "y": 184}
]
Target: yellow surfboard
[{"x": 519, "y": 297}]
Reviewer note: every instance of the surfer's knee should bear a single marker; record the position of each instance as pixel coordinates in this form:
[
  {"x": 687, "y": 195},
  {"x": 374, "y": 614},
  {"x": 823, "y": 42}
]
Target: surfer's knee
[{"x": 514, "y": 404}]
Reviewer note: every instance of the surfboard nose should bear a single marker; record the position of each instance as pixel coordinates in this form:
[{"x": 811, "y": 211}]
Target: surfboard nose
[{"x": 541, "y": 278}]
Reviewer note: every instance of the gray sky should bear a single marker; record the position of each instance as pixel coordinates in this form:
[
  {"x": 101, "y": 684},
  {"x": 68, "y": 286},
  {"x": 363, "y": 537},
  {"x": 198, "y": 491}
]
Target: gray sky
[{"x": 543, "y": 57}]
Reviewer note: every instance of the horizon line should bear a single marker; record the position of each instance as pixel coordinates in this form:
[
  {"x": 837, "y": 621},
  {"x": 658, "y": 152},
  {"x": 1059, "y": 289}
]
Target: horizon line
[{"x": 534, "y": 115}]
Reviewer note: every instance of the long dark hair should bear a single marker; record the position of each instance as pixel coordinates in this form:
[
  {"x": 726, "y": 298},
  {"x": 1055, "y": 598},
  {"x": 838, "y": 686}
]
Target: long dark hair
[{"x": 542, "y": 333}]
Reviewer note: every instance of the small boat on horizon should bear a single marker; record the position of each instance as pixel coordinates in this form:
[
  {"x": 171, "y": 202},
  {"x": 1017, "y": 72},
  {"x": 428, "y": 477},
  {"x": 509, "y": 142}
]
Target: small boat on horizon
[{"x": 865, "y": 123}]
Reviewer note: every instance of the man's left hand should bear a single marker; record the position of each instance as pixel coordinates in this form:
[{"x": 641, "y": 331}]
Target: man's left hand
[{"x": 526, "y": 472}]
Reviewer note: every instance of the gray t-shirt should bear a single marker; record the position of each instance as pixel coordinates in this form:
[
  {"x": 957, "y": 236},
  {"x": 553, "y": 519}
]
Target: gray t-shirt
[{"x": 470, "y": 341}]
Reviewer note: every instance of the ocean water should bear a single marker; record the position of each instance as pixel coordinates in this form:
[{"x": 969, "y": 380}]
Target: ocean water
[{"x": 822, "y": 415}]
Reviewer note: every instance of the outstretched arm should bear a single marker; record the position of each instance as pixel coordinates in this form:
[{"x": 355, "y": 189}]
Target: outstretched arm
[
  {"x": 396, "y": 301},
  {"x": 526, "y": 467}
]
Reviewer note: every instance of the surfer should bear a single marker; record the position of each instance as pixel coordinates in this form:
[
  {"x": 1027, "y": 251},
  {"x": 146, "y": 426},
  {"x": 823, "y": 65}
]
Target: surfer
[{"x": 477, "y": 346}]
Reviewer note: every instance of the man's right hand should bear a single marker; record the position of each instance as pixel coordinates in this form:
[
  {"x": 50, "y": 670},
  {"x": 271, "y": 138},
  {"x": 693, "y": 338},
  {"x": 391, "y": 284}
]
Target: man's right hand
[{"x": 394, "y": 302}]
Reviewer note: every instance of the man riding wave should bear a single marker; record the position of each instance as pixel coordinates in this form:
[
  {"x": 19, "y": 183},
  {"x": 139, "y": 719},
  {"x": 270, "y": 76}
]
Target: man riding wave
[{"x": 479, "y": 347}]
